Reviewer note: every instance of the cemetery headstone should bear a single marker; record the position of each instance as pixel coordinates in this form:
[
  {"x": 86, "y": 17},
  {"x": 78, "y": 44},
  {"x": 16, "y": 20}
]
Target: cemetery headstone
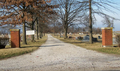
[
  {"x": 99, "y": 37},
  {"x": 94, "y": 39},
  {"x": 61, "y": 35},
  {"x": 114, "y": 41},
  {"x": 79, "y": 38},
  {"x": 70, "y": 36},
  {"x": 3, "y": 42},
  {"x": 70, "y": 33},
  {"x": 85, "y": 38},
  {"x": 76, "y": 38}
]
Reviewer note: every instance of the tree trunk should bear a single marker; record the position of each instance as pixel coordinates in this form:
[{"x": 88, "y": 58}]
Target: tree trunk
[
  {"x": 90, "y": 22},
  {"x": 54, "y": 29},
  {"x": 65, "y": 31},
  {"x": 60, "y": 35},
  {"x": 32, "y": 28},
  {"x": 24, "y": 29},
  {"x": 44, "y": 34},
  {"x": 118, "y": 45},
  {"x": 41, "y": 31},
  {"x": 66, "y": 19},
  {"x": 41, "y": 35},
  {"x": 24, "y": 34},
  {"x": 37, "y": 30}
]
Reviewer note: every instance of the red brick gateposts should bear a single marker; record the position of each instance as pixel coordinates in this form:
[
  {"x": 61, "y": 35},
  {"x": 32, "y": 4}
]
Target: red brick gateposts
[
  {"x": 107, "y": 37},
  {"x": 15, "y": 38}
]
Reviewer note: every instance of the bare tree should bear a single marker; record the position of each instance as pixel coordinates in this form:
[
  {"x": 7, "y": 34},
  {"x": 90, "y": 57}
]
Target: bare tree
[
  {"x": 108, "y": 22},
  {"x": 90, "y": 21},
  {"x": 98, "y": 7},
  {"x": 69, "y": 11},
  {"x": 97, "y": 30}
]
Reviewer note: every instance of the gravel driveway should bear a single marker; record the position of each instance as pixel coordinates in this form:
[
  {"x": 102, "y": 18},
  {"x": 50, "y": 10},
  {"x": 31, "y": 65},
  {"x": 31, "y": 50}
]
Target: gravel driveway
[{"x": 56, "y": 55}]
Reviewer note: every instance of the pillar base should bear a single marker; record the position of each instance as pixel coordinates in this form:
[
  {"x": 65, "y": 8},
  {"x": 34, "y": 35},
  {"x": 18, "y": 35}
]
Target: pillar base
[{"x": 107, "y": 46}]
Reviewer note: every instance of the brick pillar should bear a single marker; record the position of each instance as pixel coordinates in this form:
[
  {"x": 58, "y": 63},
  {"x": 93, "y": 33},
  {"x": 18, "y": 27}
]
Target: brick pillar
[
  {"x": 15, "y": 38},
  {"x": 107, "y": 36}
]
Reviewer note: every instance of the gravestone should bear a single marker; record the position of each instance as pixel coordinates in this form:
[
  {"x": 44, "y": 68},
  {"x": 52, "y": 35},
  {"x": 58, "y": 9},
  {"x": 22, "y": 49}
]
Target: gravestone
[
  {"x": 99, "y": 37},
  {"x": 61, "y": 35},
  {"x": 79, "y": 38},
  {"x": 94, "y": 39},
  {"x": 70, "y": 37},
  {"x": 76, "y": 38},
  {"x": 114, "y": 41},
  {"x": 70, "y": 33},
  {"x": 80, "y": 33},
  {"x": 85, "y": 38}
]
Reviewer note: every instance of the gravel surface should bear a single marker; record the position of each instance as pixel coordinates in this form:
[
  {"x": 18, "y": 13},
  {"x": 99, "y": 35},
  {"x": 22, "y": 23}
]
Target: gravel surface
[{"x": 56, "y": 55}]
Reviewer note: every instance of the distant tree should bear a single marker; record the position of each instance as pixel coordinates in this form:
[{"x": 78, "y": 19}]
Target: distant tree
[
  {"x": 99, "y": 31},
  {"x": 96, "y": 30}
]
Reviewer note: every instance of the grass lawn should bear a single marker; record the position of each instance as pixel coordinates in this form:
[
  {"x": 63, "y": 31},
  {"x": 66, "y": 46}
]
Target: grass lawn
[
  {"x": 30, "y": 47},
  {"x": 96, "y": 46}
]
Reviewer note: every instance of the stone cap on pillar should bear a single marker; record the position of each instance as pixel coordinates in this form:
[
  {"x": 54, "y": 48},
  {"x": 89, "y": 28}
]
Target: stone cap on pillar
[
  {"x": 14, "y": 29},
  {"x": 107, "y": 28}
]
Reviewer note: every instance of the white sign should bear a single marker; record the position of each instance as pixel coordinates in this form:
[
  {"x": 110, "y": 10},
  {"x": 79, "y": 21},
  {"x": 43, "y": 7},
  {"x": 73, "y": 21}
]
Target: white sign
[{"x": 30, "y": 32}]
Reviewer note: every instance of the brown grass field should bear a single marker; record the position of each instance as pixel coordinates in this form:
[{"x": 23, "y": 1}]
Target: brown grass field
[
  {"x": 30, "y": 47},
  {"x": 96, "y": 46}
]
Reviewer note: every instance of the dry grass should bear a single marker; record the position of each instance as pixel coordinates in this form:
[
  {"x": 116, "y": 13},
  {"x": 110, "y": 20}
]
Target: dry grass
[
  {"x": 82, "y": 35},
  {"x": 31, "y": 46},
  {"x": 97, "y": 46}
]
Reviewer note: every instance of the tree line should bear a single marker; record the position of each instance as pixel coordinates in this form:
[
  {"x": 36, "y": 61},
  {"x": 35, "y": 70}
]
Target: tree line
[
  {"x": 41, "y": 15},
  {"x": 72, "y": 12},
  {"x": 26, "y": 13}
]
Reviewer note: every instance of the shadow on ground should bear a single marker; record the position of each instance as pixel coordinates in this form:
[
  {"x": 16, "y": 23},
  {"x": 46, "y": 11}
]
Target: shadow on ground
[
  {"x": 29, "y": 46},
  {"x": 51, "y": 45}
]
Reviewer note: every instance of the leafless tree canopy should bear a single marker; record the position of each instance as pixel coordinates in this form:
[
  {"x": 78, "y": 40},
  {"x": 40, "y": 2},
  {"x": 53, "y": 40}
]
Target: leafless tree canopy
[
  {"x": 69, "y": 11},
  {"x": 98, "y": 7},
  {"x": 108, "y": 22}
]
